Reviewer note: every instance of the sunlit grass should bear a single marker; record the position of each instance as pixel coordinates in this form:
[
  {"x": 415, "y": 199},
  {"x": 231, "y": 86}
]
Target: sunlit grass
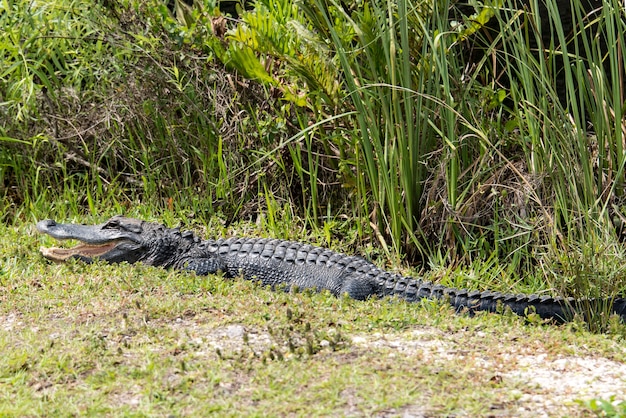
[{"x": 122, "y": 339}]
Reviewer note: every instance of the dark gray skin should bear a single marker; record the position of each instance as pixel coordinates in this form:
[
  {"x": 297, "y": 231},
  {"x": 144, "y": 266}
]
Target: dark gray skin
[{"x": 279, "y": 263}]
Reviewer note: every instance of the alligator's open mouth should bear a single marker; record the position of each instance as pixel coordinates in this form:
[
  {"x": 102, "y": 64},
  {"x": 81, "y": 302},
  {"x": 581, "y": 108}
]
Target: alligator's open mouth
[
  {"x": 116, "y": 240},
  {"x": 82, "y": 250}
]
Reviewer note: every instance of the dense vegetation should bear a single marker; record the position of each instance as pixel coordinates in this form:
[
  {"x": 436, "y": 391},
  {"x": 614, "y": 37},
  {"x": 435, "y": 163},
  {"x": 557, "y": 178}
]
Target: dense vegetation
[{"x": 368, "y": 120}]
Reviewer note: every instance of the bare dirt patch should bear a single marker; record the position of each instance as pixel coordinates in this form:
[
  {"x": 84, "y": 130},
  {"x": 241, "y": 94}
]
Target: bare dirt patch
[
  {"x": 543, "y": 382},
  {"x": 547, "y": 384}
]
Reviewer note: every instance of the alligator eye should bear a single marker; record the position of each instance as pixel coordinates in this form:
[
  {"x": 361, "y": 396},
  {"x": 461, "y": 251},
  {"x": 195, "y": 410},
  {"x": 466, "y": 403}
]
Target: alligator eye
[{"x": 112, "y": 223}]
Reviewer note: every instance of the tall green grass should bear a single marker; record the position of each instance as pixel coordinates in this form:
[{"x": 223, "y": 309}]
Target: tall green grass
[
  {"x": 416, "y": 137},
  {"x": 566, "y": 90},
  {"x": 452, "y": 169},
  {"x": 579, "y": 148}
]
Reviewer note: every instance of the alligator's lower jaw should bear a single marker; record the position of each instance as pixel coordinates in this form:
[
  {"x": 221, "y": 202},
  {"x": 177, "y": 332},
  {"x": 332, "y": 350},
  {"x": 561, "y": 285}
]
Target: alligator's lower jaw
[{"x": 88, "y": 251}]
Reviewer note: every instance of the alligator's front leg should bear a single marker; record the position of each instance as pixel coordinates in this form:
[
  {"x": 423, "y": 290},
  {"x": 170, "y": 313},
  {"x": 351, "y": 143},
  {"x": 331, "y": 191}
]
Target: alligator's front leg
[{"x": 202, "y": 266}]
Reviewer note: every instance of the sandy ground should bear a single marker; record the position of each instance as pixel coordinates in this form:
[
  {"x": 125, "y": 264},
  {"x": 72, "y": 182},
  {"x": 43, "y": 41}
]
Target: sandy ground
[
  {"x": 545, "y": 382},
  {"x": 548, "y": 384}
]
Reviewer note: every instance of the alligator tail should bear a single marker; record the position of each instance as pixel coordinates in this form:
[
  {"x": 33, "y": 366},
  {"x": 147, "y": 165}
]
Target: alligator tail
[{"x": 546, "y": 307}]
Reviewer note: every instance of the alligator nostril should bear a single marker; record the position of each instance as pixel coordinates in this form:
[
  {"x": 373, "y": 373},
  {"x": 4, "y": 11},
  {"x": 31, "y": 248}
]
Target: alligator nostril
[{"x": 44, "y": 225}]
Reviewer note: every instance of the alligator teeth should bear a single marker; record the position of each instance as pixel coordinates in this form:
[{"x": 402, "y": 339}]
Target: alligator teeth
[{"x": 84, "y": 250}]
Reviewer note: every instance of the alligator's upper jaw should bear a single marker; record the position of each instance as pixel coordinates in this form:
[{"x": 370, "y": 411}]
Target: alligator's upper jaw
[
  {"x": 106, "y": 241},
  {"x": 89, "y": 234}
]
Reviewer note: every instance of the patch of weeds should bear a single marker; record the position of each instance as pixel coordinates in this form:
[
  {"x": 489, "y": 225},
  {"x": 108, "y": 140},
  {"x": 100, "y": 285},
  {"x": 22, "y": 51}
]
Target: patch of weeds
[
  {"x": 301, "y": 338},
  {"x": 290, "y": 338},
  {"x": 605, "y": 408}
]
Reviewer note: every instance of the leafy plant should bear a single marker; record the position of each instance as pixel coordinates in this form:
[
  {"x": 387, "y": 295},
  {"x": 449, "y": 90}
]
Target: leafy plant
[{"x": 606, "y": 408}]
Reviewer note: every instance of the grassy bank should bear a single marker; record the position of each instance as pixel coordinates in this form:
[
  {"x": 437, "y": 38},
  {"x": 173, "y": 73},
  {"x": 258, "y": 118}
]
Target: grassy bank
[{"x": 130, "y": 340}]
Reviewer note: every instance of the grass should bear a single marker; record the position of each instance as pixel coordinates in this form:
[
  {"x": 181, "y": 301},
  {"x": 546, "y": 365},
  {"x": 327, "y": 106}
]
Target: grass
[{"x": 132, "y": 340}]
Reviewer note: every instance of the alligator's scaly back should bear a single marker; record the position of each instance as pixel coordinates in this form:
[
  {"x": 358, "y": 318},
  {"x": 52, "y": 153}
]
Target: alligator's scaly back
[{"x": 280, "y": 263}]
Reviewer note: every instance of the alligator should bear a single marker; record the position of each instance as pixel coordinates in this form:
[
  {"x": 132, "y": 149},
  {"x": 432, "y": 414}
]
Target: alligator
[{"x": 287, "y": 264}]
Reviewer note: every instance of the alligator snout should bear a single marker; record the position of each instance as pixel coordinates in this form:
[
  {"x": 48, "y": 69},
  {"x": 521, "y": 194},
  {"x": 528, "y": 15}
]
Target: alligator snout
[{"x": 43, "y": 226}]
